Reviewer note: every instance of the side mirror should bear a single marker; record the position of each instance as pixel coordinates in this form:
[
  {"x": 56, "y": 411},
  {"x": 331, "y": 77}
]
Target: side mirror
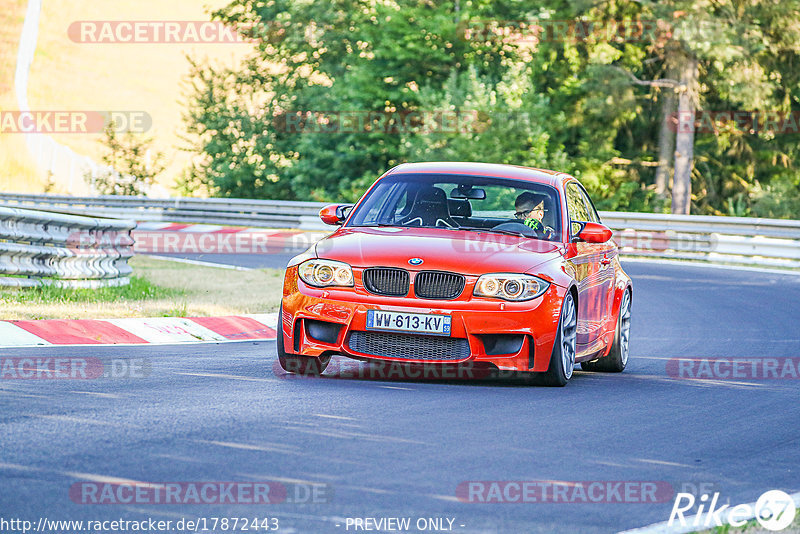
[
  {"x": 335, "y": 214},
  {"x": 592, "y": 232}
]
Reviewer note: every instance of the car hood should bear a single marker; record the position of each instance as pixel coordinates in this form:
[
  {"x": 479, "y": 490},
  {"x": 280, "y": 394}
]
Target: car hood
[{"x": 459, "y": 251}]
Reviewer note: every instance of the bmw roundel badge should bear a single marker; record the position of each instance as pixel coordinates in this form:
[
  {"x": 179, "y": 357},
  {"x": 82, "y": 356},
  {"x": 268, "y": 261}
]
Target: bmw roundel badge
[{"x": 415, "y": 261}]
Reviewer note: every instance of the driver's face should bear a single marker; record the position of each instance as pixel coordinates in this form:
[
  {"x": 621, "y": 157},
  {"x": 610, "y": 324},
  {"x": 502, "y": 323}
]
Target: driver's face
[{"x": 528, "y": 212}]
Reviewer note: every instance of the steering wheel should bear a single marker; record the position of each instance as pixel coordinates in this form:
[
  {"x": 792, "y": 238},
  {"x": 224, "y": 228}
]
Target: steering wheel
[{"x": 518, "y": 226}]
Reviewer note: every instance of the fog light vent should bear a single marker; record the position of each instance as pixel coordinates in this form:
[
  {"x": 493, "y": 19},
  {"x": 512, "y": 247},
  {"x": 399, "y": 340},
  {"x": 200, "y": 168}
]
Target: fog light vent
[
  {"x": 495, "y": 344},
  {"x": 322, "y": 331}
]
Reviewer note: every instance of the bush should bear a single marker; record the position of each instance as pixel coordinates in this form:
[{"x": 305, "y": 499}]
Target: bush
[{"x": 131, "y": 169}]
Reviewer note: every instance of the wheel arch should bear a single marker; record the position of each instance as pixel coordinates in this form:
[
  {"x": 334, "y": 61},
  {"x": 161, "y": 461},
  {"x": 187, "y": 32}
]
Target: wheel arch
[
  {"x": 573, "y": 288},
  {"x": 618, "y": 292}
]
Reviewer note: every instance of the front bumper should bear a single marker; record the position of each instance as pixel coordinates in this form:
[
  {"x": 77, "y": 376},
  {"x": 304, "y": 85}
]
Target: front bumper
[{"x": 508, "y": 335}]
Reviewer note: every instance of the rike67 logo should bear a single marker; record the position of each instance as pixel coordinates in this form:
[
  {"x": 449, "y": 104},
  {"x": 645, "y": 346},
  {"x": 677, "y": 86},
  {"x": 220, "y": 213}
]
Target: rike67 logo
[{"x": 774, "y": 510}]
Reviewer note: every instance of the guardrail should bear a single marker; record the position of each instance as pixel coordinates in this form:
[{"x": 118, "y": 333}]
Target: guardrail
[
  {"x": 736, "y": 240},
  {"x": 45, "y": 248},
  {"x": 225, "y": 211},
  {"x": 766, "y": 242}
]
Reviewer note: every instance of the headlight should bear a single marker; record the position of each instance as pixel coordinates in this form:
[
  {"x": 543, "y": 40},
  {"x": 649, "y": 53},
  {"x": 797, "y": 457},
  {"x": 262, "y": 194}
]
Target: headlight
[
  {"x": 510, "y": 286},
  {"x": 324, "y": 273}
]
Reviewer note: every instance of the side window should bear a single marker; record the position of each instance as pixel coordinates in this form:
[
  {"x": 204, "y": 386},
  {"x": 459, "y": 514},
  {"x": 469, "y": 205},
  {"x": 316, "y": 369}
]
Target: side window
[
  {"x": 402, "y": 207},
  {"x": 576, "y": 206},
  {"x": 371, "y": 217},
  {"x": 377, "y": 198}
]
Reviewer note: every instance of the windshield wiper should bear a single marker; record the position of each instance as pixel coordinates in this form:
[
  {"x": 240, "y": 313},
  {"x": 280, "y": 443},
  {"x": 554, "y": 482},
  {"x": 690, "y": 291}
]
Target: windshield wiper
[
  {"x": 491, "y": 230},
  {"x": 396, "y": 225}
]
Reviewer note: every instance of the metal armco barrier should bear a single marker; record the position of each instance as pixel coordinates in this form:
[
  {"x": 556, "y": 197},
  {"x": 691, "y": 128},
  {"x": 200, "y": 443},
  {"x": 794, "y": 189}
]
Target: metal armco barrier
[
  {"x": 39, "y": 248},
  {"x": 740, "y": 240},
  {"x": 765, "y": 242},
  {"x": 225, "y": 211}
]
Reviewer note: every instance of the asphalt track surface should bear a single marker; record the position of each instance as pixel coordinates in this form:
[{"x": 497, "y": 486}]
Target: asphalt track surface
[
  {"x": 250, "y": 261},
  {"x": 400, "y": 448}
]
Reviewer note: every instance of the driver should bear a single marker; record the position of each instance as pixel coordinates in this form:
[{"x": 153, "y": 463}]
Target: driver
[{"x": 530, "y": 210}]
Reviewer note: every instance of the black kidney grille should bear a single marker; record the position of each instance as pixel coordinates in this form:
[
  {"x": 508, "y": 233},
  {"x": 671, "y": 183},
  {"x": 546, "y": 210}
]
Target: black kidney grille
[
  {"x": 409, "y": 346},
  {"x": 438, "y": 285},
  {"x": 386, "y": 281}
]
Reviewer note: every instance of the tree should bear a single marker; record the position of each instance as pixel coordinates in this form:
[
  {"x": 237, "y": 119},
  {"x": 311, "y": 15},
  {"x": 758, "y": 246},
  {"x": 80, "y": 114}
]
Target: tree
[
  {"x": 357, "y": 56},
  {"x": 131, "y": 168},
  {"x": 732, "y": 45},
  {"x": 684, "y": 138},
  {"x": 605, "y": 108},
  {"x": 666, "y": 137}
]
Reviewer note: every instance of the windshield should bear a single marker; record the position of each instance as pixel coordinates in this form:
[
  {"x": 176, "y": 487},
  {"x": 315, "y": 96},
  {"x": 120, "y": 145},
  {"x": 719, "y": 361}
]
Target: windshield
[{"x": 465, "y": 202}]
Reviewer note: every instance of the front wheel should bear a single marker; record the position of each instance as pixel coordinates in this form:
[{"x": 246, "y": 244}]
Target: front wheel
[
  {"x": 562, "y": 360},
  {"x": 304, "y": 365},
  {"x": 295, "y": 363},
  {"x": 617, "y": 357}
]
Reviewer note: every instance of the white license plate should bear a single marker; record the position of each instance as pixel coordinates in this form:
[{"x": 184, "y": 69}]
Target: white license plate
[{"x": 420, "y": 323}]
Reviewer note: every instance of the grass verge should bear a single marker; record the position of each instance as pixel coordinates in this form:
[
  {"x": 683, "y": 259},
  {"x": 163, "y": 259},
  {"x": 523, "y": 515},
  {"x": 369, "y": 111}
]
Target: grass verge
[
  {"x": 159, "y": 288},
  {"x": 752, "y": 527}
]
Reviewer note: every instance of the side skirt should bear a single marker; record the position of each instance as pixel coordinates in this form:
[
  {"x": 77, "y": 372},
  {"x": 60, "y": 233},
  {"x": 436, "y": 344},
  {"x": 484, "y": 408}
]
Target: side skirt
[{"x": 585, "y": 353}]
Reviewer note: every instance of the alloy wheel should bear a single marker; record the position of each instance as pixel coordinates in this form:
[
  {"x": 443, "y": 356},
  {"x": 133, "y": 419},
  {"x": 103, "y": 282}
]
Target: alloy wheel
[
  {"x": 569, "y": 323},
  {"x": 625, "y": 326}
]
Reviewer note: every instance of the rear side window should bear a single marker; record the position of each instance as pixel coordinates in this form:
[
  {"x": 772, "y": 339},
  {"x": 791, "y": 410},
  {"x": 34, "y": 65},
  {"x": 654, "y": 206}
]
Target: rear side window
[
  {"x": 590, "y": 210},
  {"x": 576, "y": 204},
  {"x": 579, "y": 206}
]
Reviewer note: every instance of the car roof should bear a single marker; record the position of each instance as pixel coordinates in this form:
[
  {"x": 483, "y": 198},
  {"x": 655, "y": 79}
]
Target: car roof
[{"x": 517, "y": 172}]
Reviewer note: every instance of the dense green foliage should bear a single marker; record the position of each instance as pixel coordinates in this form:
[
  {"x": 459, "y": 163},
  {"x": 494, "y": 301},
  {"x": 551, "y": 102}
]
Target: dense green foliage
[{"x": 578, "y": 104}]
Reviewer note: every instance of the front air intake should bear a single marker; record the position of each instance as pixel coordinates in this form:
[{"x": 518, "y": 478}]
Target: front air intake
[{"x": 409, "y": 346}]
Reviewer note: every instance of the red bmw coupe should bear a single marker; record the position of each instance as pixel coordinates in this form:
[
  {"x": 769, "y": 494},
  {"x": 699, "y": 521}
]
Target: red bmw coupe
[{"x": 461, "y": 263}]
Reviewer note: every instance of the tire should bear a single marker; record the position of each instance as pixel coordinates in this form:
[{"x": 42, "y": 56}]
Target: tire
[
  {"x": 295, "y": 363},
  {"x": 562, "y": 359},
  {"x": 617, "y": 357}
]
